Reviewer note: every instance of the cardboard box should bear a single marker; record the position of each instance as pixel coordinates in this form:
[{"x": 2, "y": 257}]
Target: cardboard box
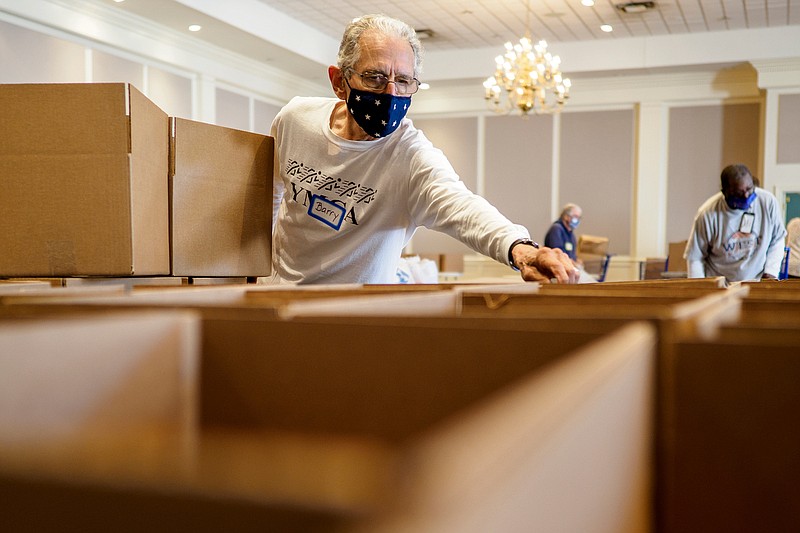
[
  {"x": 83, "y": 174},
  {"x": 653, "y": 267},
  {"x": 592, "y": 245},
  {"x": 451, "y": 263},
  {"x": 221, "y": 198},
  {"x": 675, "y": 260}
]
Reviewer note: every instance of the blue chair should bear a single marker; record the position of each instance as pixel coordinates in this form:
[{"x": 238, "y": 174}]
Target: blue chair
[
  {"x": 596, "y": 265},
  {"x": 604, "y": 268}
]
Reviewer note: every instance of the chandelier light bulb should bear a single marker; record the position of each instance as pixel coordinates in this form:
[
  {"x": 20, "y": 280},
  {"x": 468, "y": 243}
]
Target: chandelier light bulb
[{"x": 527, "y": 78}]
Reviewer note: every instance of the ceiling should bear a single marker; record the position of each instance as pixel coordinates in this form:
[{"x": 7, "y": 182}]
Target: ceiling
[
  {"x": 480, "y": 23},
  {"x": 301, "y": 36}
]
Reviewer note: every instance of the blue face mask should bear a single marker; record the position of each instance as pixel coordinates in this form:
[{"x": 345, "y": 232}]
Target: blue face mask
[
  {"x": 736, "y": 202},
  {"x": 573, "y": 222},
  {"x": 378, "y": 114}
]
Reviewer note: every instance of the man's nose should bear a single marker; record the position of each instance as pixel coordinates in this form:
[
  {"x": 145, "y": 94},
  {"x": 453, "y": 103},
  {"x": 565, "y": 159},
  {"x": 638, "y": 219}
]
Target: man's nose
[{"x": 391, "y": 88}]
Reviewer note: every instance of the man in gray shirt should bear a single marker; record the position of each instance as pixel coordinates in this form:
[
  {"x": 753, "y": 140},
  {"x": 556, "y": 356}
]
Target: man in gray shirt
[{"x": 738, "y": 232}]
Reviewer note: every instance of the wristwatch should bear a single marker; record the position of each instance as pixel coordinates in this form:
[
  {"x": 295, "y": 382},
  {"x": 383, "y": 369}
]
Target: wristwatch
[{"x": 513, "y": 244}]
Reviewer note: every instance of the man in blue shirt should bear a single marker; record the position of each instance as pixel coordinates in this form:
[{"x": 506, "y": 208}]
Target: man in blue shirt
[{"x": 561, "y": 233}]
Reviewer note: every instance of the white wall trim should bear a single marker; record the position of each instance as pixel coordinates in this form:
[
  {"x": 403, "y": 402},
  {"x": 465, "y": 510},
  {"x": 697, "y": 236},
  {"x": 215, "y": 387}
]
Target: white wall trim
[{"x": 480, "y": 159}]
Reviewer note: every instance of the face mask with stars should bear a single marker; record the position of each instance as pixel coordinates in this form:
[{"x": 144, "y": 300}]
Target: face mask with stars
[{"x": 378, "y": 114}]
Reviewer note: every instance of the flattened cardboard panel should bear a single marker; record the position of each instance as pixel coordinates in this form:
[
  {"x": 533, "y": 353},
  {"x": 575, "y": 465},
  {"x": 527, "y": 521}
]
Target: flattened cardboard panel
[
  {"x": 221, "y": 201},
  {"x": 568, "y": 449},
  {"x": 65, "y": 215},
  {"x": 730, "y": 460},
  {"x": 149, "y": 186},
  {"x": 138, "y": 371},
  {"x": 346, "y": 378},
  {"x": 69, "y": 118}
]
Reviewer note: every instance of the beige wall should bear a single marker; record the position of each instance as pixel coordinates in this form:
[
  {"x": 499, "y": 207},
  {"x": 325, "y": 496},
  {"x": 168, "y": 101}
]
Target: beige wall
[
  {"x": 458, "y": 138},
  {"x": 789, "y": 129},
  {"x": 31, "y": 56},
  {"x": 596, "y": 172},
  {"x": 517, "y": 166},
  {"x": 702, "y": 141}
]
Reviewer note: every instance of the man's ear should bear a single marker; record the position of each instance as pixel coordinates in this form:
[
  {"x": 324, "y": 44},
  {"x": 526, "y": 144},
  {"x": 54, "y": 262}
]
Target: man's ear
[{"x": 337, "y": 82}]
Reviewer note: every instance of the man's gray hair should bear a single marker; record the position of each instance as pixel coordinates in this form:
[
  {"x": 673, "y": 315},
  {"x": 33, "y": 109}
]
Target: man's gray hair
[
  {"x": 568, "y": 209},
  {"x": 350, "y": 50}
]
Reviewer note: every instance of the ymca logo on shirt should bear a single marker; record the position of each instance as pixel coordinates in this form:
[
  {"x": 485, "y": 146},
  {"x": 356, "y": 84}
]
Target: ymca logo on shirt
[
  {"x": 740, "y": 246},
  {"x": 327, "y": 199}
]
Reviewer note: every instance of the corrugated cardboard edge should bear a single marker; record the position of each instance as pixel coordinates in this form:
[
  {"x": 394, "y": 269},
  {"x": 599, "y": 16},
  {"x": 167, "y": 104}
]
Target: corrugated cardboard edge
[{"x": 149, "y": 140}]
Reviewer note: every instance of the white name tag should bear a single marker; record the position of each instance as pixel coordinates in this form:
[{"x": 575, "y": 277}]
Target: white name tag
[
  {"x": 326, "y": 211},
  {"x": 747, "y": 223}
]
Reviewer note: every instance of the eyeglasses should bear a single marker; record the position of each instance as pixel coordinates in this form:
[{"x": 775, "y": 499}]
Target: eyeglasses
[{"x": 378, "y": 82}]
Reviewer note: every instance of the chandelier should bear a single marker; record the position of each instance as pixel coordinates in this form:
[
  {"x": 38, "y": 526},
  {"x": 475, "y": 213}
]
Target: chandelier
[{"x": 527, "y": 77}]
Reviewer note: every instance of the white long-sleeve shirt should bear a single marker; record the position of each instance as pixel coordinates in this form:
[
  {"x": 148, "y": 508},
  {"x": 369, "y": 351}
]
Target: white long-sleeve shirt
[{"x": 343, "y": 210}]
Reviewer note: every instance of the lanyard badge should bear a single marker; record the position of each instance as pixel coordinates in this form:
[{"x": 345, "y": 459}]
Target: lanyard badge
[{"x": 746, "y": 226}]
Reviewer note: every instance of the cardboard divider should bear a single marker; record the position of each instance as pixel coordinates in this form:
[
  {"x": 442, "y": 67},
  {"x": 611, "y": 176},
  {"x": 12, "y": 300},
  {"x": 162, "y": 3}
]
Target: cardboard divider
[
  {"x": 597, "y": 289},
  {"x": 42, "y": 293},
  {"x": 774, "y": 290},
  {"x": 568, "y": 449},
  {"x": 18, "y": 286},
  {"x": 675, "y": 283},
  {"x": 729, "y": 458},
  {"x": 412, "y": 384},
  {"x": 87, "y": 397},
  {"x": 771, "y": 304},
  {"x": 631, "y": 306},
  {"x": 766, "y": 284}
]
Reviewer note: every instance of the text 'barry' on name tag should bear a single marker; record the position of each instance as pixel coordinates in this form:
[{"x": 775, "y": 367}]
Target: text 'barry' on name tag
[{"x": 326, "y": 211}]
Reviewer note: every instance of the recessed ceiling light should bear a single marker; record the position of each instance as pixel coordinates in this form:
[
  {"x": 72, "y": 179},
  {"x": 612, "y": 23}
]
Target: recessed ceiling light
[
  {"x": 587, "y": 3},
  {"x": 424, "y": 33},
  {"x": 119, "y": 1},
  {"x": 607, "y": 28},
  {"x": 195, "y": 27}
]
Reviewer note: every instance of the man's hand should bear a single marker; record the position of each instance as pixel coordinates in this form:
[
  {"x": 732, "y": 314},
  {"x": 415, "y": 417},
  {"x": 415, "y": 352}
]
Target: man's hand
[{"x": 544, "y": 264}]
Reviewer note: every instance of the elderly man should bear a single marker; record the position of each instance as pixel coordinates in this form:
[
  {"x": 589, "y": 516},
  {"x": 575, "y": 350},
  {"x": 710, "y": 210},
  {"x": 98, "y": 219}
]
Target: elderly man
[
  {"x": 354, "y": 178},
  {"x": 738, "y": 232},
  {"x": 562, "y": 232}
]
